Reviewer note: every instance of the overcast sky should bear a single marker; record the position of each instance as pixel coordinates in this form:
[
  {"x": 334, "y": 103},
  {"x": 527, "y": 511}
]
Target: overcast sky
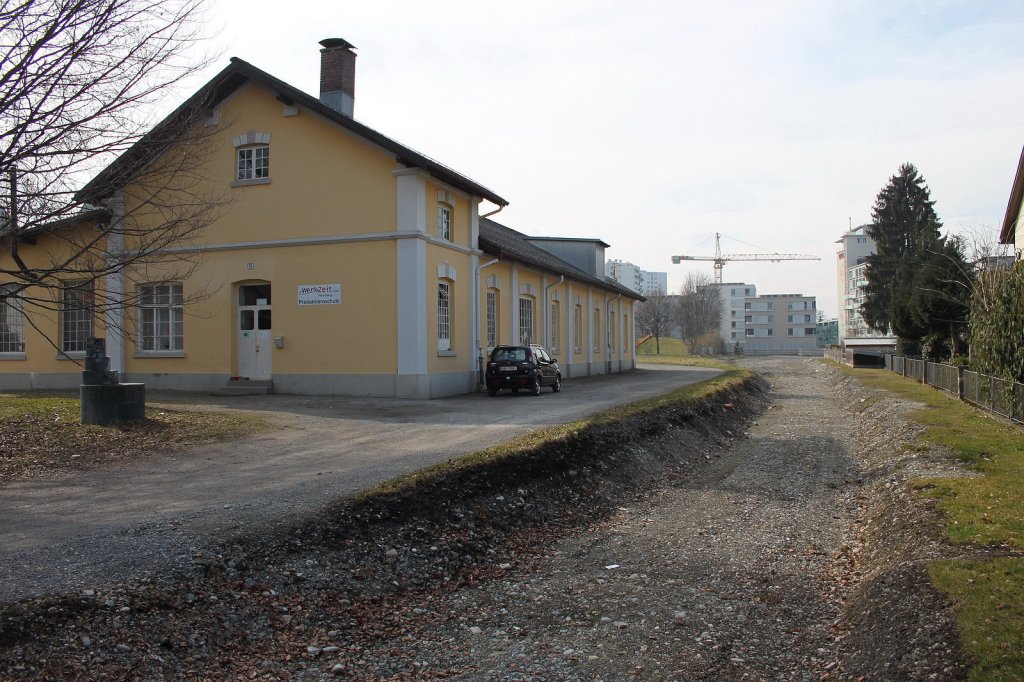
[{"x": 652, "y": 125}]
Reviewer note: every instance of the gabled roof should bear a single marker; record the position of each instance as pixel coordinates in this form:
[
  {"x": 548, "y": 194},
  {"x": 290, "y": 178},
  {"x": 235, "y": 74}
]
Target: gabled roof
[
  {"x": 1006, "y": 234},
  {"x": 506, "y": 243},
  {"x": 89, "y": 215},
  {"x": 234, "y": 76}
]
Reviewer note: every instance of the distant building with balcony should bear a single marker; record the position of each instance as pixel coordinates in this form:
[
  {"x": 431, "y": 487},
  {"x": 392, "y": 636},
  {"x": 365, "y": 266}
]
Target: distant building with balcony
[
  {"x": 734, "y": 296},
  {"x": 855, "y": 247}
]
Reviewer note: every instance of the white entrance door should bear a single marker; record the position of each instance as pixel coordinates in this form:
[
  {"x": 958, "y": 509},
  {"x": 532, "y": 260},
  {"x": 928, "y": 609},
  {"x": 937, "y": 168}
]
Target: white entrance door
[{"x": 255, "y": 342}]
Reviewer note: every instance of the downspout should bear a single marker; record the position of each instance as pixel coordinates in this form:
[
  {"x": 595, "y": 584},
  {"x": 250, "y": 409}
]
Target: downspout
[{"x": 476, "y": 304}]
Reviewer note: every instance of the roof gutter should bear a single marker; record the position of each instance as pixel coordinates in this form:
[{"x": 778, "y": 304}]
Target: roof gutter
[{"x": 495, "y": 211}]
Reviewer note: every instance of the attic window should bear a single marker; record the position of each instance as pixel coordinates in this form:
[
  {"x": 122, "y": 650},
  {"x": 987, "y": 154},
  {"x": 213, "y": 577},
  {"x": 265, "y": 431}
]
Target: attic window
[{"x": 252, "y": 152}]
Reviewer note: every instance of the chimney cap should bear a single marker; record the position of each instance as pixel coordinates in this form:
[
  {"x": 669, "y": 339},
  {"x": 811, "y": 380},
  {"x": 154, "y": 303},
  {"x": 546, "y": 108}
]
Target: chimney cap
[{"x": 333, "y": 43}]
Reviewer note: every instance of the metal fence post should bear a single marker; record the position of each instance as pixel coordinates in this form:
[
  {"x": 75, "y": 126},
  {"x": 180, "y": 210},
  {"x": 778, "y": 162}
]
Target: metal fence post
[{"x": 960, "y": 383}]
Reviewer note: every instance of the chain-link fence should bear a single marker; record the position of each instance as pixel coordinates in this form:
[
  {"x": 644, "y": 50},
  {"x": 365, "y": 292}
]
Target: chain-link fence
[{"x": 1005, "y": 398}]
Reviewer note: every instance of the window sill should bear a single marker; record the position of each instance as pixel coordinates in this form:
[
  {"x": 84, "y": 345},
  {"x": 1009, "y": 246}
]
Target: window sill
[
  {"x": 447, "y": 354},
  {"x": 255, "y": 181},
  {"x": 72, "y": 355},
  {"x": 158, "y": 354},
  {"x": 13, "y": 356}
]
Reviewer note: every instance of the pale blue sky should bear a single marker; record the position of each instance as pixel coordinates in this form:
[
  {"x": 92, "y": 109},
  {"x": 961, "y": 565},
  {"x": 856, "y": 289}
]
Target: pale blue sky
[{"x": 653, "y": 125}]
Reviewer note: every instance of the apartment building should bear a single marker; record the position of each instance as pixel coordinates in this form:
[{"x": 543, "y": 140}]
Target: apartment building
[
  {"x": 641, "y": 281},
  {"x": 779, "y": 323},
  {"x": 855, "y": 247},
  {"x": 734, "y": 296}
]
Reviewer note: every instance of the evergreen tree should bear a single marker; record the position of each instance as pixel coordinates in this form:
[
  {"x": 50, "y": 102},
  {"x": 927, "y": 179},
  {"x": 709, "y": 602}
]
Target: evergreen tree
[{"x": 905, "y": 229}]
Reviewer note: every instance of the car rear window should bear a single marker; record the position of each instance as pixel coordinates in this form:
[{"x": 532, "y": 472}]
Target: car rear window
[{"x": 510, "y": 355}]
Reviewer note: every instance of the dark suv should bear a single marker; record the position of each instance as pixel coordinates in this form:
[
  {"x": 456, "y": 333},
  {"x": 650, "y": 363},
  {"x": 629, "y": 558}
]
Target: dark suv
[{"x": 517, "y": 367}]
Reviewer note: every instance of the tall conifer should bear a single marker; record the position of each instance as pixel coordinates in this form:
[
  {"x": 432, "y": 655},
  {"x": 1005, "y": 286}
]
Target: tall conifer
[{"x": 905, "y": 229}]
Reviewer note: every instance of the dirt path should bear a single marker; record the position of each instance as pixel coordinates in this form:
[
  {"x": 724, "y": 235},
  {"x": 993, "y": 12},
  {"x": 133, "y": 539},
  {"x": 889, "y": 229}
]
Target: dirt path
[{"x": 138, "y": 518}]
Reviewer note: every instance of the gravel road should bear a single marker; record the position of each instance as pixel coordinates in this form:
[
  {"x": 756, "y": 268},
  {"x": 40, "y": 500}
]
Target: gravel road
[
  {"x": 728, "y": 574},
  {"x": 99, "y": 527}
]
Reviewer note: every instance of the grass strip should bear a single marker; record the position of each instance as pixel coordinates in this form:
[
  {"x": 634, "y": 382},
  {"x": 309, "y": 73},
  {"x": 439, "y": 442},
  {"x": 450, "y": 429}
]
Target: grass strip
[
  {"x": 985, "y": 510},
  {"x": 987, "y": 600}
]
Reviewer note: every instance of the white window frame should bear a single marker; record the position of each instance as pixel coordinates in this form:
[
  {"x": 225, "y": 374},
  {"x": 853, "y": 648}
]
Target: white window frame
[
  {"x": 12, "y": 322},
  {"x": 444, "y": 222},
  {"x": 77, "y": 319},
  {"x": 597, "y": 330},
  {"x": 444, "y": 317},
  {"x": 525, "y": 320},
  {"x": 492, "y": 319},
  {"x": 577, "y": 331},
  {"x": 610, "y": 329},
  {"x": 161, "y": 326},
  {"x": 252, "y": 163},
  {"x": 553, "y": 327}
]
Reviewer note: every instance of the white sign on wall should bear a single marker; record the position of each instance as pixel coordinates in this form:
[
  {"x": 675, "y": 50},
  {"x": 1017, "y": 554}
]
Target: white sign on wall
[{"x": 319, "y": 294}]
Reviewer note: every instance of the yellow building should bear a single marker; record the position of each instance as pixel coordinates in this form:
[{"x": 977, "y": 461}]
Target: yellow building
[
  {"x": 1012, "y": 231},
  {"x": 338, "y": 262}
]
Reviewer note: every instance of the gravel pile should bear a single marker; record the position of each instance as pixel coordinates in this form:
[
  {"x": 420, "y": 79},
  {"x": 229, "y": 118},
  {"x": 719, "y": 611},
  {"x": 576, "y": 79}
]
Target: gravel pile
[{"x": 743, "y": 538}]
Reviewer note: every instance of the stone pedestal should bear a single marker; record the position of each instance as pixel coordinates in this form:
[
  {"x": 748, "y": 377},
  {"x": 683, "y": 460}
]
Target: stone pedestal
[
  {"x": 107, "y": 404},
  {"x": 104, "y": 401}
]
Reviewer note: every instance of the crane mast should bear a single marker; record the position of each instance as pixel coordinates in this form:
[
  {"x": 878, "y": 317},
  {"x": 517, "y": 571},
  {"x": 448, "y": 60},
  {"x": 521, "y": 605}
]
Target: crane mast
[{"x": 719, "y": 260}]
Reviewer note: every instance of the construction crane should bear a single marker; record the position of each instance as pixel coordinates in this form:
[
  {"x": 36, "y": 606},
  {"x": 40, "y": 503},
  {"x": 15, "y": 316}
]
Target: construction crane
[{"x": 719, "y": 260}]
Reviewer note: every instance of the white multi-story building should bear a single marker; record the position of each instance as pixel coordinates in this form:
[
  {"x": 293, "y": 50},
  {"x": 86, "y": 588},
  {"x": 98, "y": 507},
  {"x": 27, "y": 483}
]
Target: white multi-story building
[
  {"x": 638, "y": 280},
  {"x": 855, "y": 247},
  {"x": 626, "y": 274},
  {"x": 767, "y": 323},
  {"x": 653, "y": 281},
  {"x": 734, "y": 296}
]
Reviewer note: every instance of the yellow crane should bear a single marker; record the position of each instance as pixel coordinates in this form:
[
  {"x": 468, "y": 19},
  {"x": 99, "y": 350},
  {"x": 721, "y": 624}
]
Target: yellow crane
[{"x": 719, "y": 260}]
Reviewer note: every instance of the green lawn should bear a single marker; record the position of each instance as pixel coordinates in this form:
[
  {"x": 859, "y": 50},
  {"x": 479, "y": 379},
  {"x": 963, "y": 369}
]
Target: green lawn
[
  {"x": 674, "y": 352},
  {"x": 986, "y": 510}
]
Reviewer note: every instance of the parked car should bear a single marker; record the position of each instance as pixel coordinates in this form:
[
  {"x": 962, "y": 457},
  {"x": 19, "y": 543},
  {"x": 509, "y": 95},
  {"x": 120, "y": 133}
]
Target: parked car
[{"x": 516, "y": 367}]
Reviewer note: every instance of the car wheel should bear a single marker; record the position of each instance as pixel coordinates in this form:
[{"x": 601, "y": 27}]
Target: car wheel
[
  {"x": 492, "y": 392},
  {"x": 535, "y": 389},
  {"x": 557, "y": 386}
]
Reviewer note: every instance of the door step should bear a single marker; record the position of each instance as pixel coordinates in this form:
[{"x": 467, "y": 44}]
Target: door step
[{"x": 242, "y": 386}]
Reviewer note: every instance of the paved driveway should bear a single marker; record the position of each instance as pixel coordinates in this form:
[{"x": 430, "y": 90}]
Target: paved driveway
[{"x": 96, "y": 526}]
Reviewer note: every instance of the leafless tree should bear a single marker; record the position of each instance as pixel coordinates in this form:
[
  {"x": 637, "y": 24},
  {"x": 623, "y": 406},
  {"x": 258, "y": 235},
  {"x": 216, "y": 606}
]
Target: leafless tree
[
  {"x": 700, "y": 307},
  {"x": 656, "y": 317},
  {"x": 982, "y": 247},
  {"x": 79, "y": 80}
]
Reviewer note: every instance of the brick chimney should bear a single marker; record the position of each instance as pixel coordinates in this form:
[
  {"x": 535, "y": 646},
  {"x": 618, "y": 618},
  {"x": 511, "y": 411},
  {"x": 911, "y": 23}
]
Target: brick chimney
[{"x": 338, "y": 75}]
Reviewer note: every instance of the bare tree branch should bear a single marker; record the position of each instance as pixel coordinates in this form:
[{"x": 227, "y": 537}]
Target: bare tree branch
[
  {"x": 78, "y": 83},
  {"x": 655, "y": 316},
  {"x": 700, "y": 308}
]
